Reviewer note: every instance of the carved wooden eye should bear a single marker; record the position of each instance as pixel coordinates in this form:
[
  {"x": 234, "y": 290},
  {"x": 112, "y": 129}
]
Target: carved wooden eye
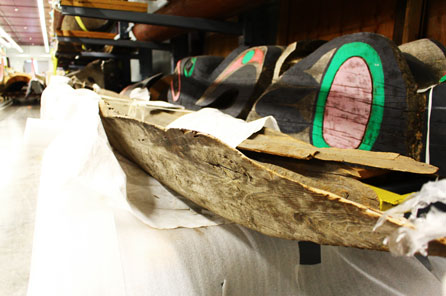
[
  {"x": 189, "y": 66},
  {"x": 349, "y": 107},
  {"x": 352, "y": 92}
]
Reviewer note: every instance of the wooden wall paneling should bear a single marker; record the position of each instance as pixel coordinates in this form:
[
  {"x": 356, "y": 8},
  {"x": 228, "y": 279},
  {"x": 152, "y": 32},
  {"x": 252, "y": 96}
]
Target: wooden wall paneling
[
  {"x": 386, "y": 17},
  {"x": 369, "y": 16},
  {"x": 330, "y": 22},
  {"x": 435, "y": 27},
  {"x": 400, "y": 15},
  {"x": 325, "y": 19},
  {"x": 351, "y": 17},
  {"x": 283, "y": 25},
  {"x": 260, "y": 24},
  {"x": 219, "y": 44},
  {"x": 413, "y": 20}
]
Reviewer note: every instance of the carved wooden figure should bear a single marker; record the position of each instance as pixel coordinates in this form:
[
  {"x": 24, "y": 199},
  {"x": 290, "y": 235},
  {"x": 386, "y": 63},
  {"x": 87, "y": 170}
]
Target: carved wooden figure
[
  {"x": 190, "y": 79},
  {"x": 355, "y": 91},
  {"x": 235, "y": 88},
  {"x": 426, "y": 59},
  {"x": 232, "y": 86}
]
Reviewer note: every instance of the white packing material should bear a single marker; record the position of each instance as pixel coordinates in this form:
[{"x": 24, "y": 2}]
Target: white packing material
[
  {"x": 86, "y": 242},
  {"x": 429, "y": 226},
  {"x": 350, "y": 271},
  {"x": 224, "y": 127},
  {"x": 19, "y": 184},
  {"x": 75, "y": 249},
  {"x": 159, "y": 207},
  {"x": 227, "y": 260},
  {"x": 140, "y": 93}
]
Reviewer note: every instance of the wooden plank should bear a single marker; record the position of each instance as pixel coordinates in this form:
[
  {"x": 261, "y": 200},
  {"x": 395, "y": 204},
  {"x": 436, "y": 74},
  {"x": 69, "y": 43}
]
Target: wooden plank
[
  {"x": 221, "y": 179},
  {"x": 107, "y": 4},
  {"x": 413, "y": 20},
  {"x": 83, "y": 34},
  {"x": 436, "y": 21},
  {"x": 276, "y": 143}
]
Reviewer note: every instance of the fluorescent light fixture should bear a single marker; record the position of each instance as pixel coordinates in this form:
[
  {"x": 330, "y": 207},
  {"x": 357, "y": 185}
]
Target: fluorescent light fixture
[
  {"x": 42, "y": 25},
  {"x": 11, "y": 41},
  {"x": 4, "y": 43}
]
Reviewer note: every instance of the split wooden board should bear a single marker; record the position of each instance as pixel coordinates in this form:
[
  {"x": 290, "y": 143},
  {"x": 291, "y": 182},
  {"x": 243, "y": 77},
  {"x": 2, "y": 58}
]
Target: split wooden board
[{"x": 273, "y": 201}]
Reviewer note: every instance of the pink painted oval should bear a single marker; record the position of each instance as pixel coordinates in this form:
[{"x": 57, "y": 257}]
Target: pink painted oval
[{"x": 348, "y": 105}]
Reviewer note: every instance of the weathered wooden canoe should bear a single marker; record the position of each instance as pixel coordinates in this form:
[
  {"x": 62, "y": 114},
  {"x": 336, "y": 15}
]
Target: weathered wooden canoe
[{"x": 326, "y": 208}]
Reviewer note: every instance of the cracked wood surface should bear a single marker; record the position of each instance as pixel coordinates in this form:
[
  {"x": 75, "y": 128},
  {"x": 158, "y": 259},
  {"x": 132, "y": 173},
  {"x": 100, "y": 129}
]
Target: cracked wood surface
[{"x": 244, "y": 191}]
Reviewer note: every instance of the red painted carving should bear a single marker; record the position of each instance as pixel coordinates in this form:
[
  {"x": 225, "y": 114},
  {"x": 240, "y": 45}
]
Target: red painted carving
[
  {"x": 258, "y": 57},
  {"x": 348, "y": 105},
  {"x": 176, "y": 96}
]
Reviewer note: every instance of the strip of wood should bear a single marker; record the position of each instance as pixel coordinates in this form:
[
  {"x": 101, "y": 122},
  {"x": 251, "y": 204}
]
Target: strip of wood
[
  {"x": 83, "y": 34},
  {"x": 107, "y": 4},
  {"x": 276, "y": 143}
]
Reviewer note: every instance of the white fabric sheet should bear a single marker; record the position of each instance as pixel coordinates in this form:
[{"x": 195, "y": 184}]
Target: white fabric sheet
[{"x": 226, "y": 128}]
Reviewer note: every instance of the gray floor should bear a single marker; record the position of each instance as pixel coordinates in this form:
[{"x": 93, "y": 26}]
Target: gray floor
[{"x": 18, "y": 192}]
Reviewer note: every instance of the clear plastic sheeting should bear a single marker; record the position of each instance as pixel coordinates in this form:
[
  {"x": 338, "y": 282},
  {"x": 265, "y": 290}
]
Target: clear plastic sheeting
[{"x": 428, "y": 226}]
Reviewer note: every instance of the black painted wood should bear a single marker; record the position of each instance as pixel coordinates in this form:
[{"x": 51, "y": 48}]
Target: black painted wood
[
  {"x": 292, "y": 99},
  {"x": 235, "y": 93}
]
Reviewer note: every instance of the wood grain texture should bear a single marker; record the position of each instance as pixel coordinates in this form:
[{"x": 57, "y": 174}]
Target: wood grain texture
[
  {"x": 436, "y": 21},
  {"x": 107, "y": 4},
  {"x": 236, "y": 87},
  {"x": 83, "y": 34},
  {"x": 325, "y": 19},
  {"x": 226, "y": 182},
  {"x": 426, "y": 59},
  {"x": 412, "y": 24},
  {"x": 293, "y": 53},
  {"x": 191, "y": 78},
  {"x": 276, "y": 143},
  {"x": 296, "y": 100}
]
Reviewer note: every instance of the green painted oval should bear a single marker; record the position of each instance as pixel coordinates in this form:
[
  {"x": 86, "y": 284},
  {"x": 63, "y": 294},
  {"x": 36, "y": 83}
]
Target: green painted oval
[
  {"x": 248, "y": 56},
  {"x": 191, "y": 70},
  {"x": 371, "y": 57}
]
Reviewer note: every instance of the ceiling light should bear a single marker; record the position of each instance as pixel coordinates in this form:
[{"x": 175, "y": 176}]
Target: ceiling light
[
  {"x": 42, "y": 25},
  {"x": 16, "y": 9},
  {"x": 4, "y": 43},
  {"x": 11, "y": 41},
  {"x": 30, "y": 38},
  {"x": 25, "y": 27}
]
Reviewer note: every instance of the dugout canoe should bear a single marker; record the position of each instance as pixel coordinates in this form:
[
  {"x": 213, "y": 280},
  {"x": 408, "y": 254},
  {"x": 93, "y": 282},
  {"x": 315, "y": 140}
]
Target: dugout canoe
[{"x": 261, "y": 193}]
